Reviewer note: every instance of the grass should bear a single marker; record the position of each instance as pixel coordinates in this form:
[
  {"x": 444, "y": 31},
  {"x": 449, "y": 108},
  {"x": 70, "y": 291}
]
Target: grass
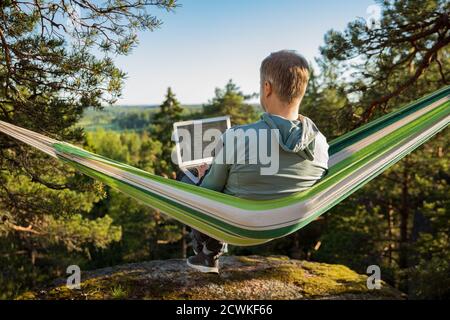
[{"x": 118, "y": 293}]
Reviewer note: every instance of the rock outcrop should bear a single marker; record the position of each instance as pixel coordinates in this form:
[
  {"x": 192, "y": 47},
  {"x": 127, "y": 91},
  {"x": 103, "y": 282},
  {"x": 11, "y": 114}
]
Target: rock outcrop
[{"x": 251, "y": 277}]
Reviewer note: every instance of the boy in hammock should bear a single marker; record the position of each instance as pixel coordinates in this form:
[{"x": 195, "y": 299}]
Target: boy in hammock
[{"x": 302, "y": 151}]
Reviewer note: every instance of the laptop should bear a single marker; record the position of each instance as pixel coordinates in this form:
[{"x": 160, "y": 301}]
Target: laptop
[{"x": 195, "y": 141}]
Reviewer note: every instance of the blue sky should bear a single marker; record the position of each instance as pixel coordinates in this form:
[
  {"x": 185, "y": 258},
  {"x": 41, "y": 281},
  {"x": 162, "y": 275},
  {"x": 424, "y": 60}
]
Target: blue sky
[{"x": 204, "y": 43}]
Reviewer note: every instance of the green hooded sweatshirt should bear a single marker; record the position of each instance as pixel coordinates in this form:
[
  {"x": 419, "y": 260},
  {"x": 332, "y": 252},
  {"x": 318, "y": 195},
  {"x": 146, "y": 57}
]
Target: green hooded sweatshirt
[{"x": 299, "y": 160}]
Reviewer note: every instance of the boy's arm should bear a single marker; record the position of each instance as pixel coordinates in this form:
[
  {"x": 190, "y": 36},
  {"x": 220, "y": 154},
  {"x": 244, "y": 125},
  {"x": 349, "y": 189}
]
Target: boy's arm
[
  {"x": 217, "y": 175},
  {"x": 216, "y": 178}
]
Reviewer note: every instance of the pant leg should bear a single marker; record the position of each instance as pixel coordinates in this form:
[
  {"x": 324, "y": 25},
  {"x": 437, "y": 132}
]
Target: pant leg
[
  {"x": 200, "y": 240},
  {"x": 211, "y": 245}
]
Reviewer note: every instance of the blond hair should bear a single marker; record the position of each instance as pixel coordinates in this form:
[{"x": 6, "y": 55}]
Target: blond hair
[{"x": 288, "y": 72}]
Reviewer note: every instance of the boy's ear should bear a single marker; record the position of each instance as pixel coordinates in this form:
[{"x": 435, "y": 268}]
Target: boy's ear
[{"x": 267, "y": 88}]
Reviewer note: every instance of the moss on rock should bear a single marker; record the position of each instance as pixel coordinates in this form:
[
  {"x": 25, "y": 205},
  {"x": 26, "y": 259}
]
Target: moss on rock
[{"x": 251, "y": 277}]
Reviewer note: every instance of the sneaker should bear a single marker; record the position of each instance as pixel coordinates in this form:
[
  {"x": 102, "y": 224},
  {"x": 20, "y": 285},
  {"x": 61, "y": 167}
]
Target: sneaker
[{"x": 207, "y": 263}]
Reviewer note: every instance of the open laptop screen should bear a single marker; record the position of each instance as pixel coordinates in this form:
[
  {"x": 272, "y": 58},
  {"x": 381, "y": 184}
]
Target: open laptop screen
[{"x": 195, "y": 140}]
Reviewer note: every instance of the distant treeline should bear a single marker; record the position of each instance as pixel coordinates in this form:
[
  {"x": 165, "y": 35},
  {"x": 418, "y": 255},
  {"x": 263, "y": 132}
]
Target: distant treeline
[{"x": 120, "y": 118}]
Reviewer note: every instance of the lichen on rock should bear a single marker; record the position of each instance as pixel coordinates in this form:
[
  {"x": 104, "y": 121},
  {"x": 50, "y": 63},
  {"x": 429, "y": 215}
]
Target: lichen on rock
[{"x": 250, "y": 277}]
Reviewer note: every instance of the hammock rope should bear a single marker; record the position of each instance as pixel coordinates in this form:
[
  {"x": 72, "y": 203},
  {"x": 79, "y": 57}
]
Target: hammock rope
[{"x": 355, "y": 159}]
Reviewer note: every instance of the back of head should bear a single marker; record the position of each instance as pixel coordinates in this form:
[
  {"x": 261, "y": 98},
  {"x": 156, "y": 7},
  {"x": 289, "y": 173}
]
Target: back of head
[{"x": 288, "y": 72}]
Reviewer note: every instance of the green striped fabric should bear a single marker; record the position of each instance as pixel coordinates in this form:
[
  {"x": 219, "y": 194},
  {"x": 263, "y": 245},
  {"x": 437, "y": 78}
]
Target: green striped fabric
[{"x": 355, "y": 159}]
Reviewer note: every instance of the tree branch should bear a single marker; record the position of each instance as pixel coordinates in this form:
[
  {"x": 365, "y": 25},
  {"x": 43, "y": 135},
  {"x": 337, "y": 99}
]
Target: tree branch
[{"x": 425, "y": 62}]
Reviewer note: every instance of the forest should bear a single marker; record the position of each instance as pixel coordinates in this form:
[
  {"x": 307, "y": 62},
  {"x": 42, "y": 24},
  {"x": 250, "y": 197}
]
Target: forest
[{"x": 52, "y": 216}]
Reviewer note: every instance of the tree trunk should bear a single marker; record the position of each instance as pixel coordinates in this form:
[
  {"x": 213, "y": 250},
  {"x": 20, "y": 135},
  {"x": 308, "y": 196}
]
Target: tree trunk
[
  {"x": 183, "y": 242},
  {"x": 390, "y": 211},
  {"x": 404, "y": 218}
]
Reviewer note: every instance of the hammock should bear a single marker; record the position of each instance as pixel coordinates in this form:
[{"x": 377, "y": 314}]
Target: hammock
[{"x": 355, "y": 159}]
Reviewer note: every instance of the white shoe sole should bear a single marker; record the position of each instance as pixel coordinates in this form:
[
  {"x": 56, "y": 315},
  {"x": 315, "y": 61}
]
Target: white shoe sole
[{"x": 203, "y": 269}]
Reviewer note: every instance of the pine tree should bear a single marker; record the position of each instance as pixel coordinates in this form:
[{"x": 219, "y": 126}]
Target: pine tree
[
  {"x": 169, "y": 113},
  {"x": 398, "y": 219},
  {"x": 381, "y": 64},
  {"x": 49, "y": 74},
  {"x": 231, "y": 101}
]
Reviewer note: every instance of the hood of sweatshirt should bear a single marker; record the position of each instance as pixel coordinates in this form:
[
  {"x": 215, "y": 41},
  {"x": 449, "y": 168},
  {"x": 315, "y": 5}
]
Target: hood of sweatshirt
[{"x": 295, "y": 136}]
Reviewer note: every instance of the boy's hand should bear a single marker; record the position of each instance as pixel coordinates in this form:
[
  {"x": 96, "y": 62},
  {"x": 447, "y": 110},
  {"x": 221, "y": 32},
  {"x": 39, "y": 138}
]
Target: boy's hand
[{"x": 201, "y": 170}]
